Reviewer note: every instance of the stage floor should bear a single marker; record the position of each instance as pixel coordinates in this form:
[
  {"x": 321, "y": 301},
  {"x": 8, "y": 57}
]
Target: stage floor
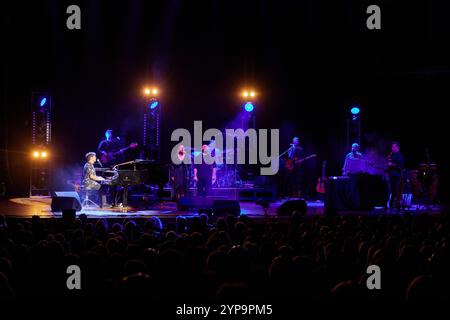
[{"x": 27, "y": 207}]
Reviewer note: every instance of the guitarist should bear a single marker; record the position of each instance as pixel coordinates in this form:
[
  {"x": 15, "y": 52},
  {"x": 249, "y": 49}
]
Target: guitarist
[
  {"x": 294, "y": 175},
  {"x": 109, "y": 146},
  {"x": 106, "y": 147}
]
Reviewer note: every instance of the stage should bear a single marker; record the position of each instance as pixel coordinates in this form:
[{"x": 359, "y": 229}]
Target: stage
[{"x": 27, "y": 207}]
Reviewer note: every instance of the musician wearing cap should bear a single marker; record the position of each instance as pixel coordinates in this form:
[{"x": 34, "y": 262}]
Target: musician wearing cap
[
  {"x": 90, "y": 180},
  {"x": 354, "y": 161}
]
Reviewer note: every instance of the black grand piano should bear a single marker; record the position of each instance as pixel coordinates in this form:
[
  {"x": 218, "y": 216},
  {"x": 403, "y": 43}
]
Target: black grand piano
[{"x": 135, "y": 173}]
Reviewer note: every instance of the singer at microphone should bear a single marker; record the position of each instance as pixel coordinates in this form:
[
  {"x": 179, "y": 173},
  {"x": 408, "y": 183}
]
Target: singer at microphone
[
  {"x": 90, "y": 180},
  {"x": 294, "y": 148},
  {"x": 294, "y": 180}
]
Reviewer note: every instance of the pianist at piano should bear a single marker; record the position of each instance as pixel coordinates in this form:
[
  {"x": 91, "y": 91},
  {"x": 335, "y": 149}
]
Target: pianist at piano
[
  {"x": 90, "y": 179},
  {"x": 137, "y": 174}
]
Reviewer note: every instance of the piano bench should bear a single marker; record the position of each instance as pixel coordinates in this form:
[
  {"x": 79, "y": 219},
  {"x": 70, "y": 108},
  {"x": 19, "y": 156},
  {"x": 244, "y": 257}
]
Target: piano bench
[{"x": 89, "y": 197}]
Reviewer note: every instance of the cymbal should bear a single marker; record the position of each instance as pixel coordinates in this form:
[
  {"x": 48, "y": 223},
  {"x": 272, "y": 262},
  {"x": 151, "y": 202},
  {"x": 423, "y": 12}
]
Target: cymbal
[
  {"x": 228, "y": 151},
  {"x": 189, "y": 148},
  {"x": 224, "y": 150},
  {"x": 428, "y": 167},
  {"x": 231, "y": 135}
]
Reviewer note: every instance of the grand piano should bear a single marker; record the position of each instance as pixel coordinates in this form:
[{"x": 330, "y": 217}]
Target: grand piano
[{"x": 134, "y": 173}]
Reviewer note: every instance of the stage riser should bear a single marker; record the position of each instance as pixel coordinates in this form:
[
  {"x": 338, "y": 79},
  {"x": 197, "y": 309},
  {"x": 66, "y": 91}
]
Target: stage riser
[{"x": 241, "y": 194}]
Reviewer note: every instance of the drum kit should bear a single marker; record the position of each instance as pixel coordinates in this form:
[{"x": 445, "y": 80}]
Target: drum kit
[{"x": 424, "y": 182}]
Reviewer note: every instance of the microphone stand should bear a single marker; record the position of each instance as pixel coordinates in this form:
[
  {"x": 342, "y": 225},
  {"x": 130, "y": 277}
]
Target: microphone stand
[
  {"x": 286, "y": 151},
  {"x": 426, "y": 181}
]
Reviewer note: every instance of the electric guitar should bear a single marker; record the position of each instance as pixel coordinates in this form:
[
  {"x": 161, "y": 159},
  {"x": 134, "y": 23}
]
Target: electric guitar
[
  {"x": 291, "y": 163},
  {"x": 321, "y": 183},
  {"x": 111, "y": 156}
]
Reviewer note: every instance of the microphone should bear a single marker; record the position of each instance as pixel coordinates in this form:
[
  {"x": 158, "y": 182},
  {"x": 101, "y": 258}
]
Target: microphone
[{"x": 98, "y": 161}]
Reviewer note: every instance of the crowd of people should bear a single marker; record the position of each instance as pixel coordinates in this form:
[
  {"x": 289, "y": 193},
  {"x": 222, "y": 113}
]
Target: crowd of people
[{"x": 232, "y": 257}]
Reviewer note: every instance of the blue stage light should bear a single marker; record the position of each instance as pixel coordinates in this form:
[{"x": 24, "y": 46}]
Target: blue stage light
[
  {"x": 43, "y": 101},
  {"x": 355, "y": 110},
  {"x": 154, "y": 104},
  {"x": 249, "y": 107}
]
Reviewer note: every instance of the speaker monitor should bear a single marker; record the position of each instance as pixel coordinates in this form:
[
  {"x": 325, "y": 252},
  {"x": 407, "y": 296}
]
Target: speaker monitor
[
  {"x": 225, "y": 207},
  {"x": 288, "y": 207},
  {"x": 62, "y": 201}
]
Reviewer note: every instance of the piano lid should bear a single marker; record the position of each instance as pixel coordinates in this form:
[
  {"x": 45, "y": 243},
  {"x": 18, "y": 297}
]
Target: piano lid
[
  {"x": 134, "y": 164},
  {"x": 148, "y": 170}
]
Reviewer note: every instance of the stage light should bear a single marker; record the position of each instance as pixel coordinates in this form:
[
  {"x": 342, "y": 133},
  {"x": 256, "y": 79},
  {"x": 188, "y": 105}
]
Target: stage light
[
  {"x": 154, "y": 104},
  {"x": 39, "y": 154},
  {"x": 248, "y": 93},
  {"x": 43, "y": 101},
  {"x": 354, "y": 110},
  {"x": 151, "y": 91},
  {"x": 249, "y": 107}
]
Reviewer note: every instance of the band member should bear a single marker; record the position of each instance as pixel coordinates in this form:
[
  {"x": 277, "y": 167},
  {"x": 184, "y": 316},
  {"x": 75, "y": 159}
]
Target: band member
[
  {"x": 351, "y": 158},
  {"x": 396, "y": 164},
  {"x": 90, "y": 180},
  {"x": 204, "y": 174},
  {"x": 111, "y": 153},
  {"x": 294, "y": 172},
  {"x": 180, "y": 176},
  {"x": 212, "y": 147},
  {"x": 215, "y": 152},
  {"x": 109, "y": 148}
]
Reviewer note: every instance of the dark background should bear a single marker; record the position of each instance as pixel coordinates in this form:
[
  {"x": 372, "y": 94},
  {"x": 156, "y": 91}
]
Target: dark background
[{"x": 309, "y": 60}]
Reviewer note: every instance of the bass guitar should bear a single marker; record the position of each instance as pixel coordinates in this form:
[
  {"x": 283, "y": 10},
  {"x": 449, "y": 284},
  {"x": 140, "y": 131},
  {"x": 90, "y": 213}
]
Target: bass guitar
[{"x": 111, "y": 156}]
